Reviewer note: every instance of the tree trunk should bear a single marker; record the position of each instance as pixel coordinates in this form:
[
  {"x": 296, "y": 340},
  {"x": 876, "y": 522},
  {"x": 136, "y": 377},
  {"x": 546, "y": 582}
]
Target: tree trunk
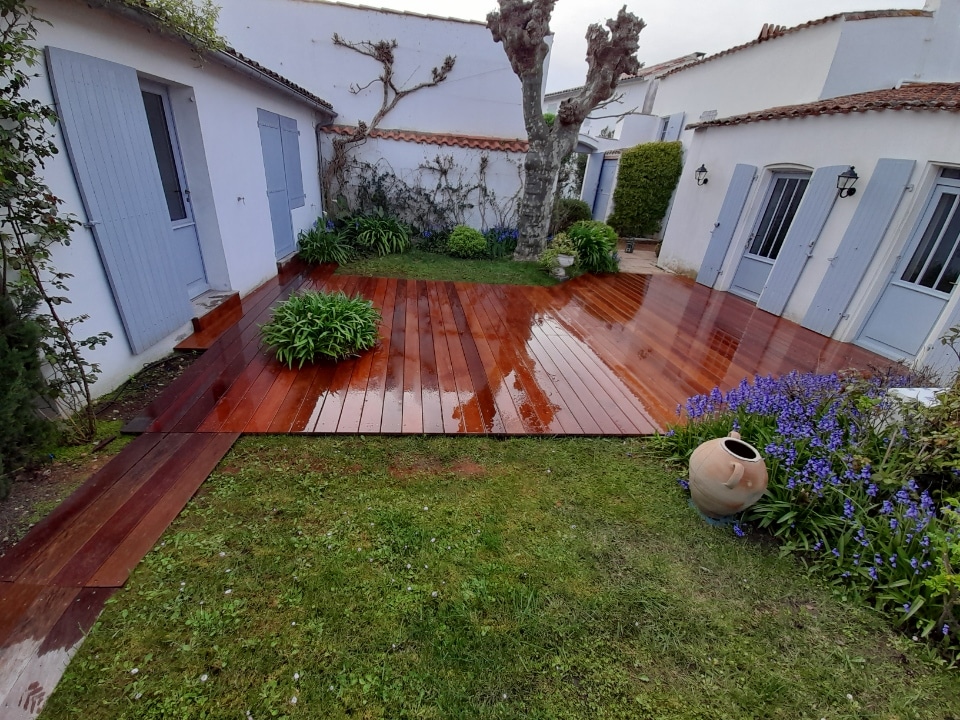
[{"x": 541, "y": 169}]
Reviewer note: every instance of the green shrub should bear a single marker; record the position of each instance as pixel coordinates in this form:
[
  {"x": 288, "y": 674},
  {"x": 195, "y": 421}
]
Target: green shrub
[
  {"x": 375, "y": 233},
  {"x": 596, "y": 243},
  {"x": 24, "y": 435},
  {"x": 646, "y": 179},
  {"x": 465, "y": 242},
  {"x": 433, "y": 241},
  {"x": 846, "y": 491},
  {"x": 315, "y": 325},
  {"x": 323, "y": 244},
  {"x": 567, "y": 211}
]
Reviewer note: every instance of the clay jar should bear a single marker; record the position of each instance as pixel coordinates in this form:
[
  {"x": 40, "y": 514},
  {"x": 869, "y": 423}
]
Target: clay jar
[{"x": 727, "y": 475}]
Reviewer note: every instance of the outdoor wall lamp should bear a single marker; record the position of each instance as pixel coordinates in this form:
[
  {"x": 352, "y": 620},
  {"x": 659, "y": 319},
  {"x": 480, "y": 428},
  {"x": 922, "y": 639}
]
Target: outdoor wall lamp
[
  {"x": 845, "y": 183},
  {"x": 701, "y": 175}
]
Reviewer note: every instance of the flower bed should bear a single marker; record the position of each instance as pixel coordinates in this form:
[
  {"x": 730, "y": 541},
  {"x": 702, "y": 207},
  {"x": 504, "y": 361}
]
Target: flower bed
[{"x": 864, "y": 491}]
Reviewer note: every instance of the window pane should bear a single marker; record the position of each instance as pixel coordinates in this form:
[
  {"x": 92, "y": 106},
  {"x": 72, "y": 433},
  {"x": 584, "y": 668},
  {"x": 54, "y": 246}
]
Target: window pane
[
  {"x": 942, "y": 252},
  {"x": 929, "y": 238},
  {"x": 952, "y": 173},
  {"x": 163, "y": 149},
  {"x": 768, "y": 213},
  {"x": 799, "y": 187}
]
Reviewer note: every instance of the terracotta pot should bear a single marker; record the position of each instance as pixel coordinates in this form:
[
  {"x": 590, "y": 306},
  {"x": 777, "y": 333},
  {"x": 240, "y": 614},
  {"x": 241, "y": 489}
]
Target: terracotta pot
[{"x": 727, "y": 475}]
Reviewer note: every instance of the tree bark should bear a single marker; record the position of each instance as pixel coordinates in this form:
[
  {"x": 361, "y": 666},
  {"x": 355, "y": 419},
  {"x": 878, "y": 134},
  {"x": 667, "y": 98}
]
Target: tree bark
[{"x": 522, "y": 26}]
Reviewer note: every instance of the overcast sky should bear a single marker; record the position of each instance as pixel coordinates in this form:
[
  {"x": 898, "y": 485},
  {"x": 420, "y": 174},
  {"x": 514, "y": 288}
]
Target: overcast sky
[{"x": 674, "y": 27}]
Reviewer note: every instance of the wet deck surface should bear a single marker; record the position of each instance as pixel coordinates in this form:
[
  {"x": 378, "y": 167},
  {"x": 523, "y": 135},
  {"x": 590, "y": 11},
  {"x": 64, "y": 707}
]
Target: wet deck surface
[{"x": 607, "y": 355}]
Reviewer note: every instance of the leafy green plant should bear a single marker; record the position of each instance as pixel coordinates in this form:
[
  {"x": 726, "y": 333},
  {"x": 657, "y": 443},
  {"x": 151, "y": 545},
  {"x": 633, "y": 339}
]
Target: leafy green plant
[
  {"x": 23, "y": 433},
  {"x": 315, "y": 325},
  {"x": 596, "y": 244},
  {"x": 433, "y": 240},
  {"x": 375, "y": 233},
  {"x": 323, "y": 244},
  {"x": 567, "y": 211},
  {"x": 646, "y": 179},
  {"x": 465, "y": 242},
  {"x": 31, "y": 227},
  {"x": 501, "y": 242},
  {"x": 194, "y": 19}
]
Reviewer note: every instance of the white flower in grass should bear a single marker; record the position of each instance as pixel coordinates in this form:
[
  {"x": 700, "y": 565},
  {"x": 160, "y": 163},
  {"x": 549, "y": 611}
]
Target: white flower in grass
[
  {"x": 203, "y": 678},
  {"x": 134, "y": 671},
  {"x": 409, "y": 588},
  {"x": 408, "y": 566},
  {"x": 849, "y": 697},
  {"x": 138, "y": 696},
  {"x": 293, "y": 700},
  {"x": 223, "y": 554},
  {"x": 433, "y": 540},
  {"x": 331, "y": 688},
  {"x": 227, "y": 591},
  {"x": 425, "y": 507},
  {"x": 433, "y": 594},
  {"x": 296, "y": 676}
]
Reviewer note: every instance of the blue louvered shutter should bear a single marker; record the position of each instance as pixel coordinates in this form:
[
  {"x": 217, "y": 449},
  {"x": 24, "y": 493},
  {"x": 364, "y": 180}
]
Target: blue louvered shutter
[
  {"x": 290, "y": 143},
  {"x": 271, "y": 141},
  {"x": 859, "y": 244},
  {"x": 726, "y": 225},
  {"x": 674, "y": 126},
  {"x": 798, "y": 244},
  {"x": 591, "y": 178},
  {"x": 109, "y": 145}
]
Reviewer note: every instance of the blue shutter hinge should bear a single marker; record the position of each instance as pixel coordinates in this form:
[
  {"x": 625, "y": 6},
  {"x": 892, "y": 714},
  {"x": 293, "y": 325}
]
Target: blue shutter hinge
[
  {"x": 830, "y": 259},
  {"x": 90, "y": 223}
]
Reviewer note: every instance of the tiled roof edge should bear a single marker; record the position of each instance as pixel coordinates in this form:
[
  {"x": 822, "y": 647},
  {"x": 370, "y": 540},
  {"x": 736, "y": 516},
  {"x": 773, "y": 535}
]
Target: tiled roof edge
[
  {"x": 943, "y": 96},
  {"x": 848, "y": 16},
  {"x": 449, "y": 139}
]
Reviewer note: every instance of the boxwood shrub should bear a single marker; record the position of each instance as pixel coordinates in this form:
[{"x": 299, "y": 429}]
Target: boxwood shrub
[
  {"x": 646, "y": 179},
  {"x": 465, "y": 242}
]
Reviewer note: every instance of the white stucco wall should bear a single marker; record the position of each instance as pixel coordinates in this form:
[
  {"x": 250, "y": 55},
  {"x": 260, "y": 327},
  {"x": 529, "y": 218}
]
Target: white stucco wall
[
  {"x": 411, "y": 162},
  {"x": 782, "y": 71},
  {"x": 294, "y": 37},
  {"x": 215, "y": 110},
  {"x": 879, "y": 53},
  {"x": 856, "y": 139}
]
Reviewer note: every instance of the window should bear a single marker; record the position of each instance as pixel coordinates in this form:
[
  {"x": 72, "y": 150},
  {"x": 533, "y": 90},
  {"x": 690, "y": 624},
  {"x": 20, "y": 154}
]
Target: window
[
  {"x": 785, "y": 196},
  {"x": 935, "y": 263}
]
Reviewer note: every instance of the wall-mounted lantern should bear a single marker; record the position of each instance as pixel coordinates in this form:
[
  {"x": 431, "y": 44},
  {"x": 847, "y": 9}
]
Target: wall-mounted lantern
[
  {"x": 701, "y": 175},
  {"x": 846, "y": 181}
]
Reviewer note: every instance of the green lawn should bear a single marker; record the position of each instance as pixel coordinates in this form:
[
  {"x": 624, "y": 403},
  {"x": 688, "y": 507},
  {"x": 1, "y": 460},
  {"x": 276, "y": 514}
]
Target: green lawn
[
  {"x": 418, "y": 265},
  {"x": 478, "y": 578}
]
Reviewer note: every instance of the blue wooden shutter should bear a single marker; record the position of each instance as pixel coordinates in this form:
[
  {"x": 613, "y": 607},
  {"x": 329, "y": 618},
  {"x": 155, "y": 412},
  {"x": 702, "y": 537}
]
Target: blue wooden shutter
[
  {"x": 271, "y": 142},
  {"x": 674, "y": 127},
  {"x": 290, "y": 142},
  {"x": 109, "y": 145},
  {"x": 798, "y": 244},
  {"x": 859, "y": 244},
  {"x": 591, "y": 178},
  {"x": 726, "y": 225}
]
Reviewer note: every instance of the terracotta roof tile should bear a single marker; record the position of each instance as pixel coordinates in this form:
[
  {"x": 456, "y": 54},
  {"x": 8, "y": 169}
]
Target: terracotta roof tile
[
  {"x": 912, "y": 96},
  {"x": 770, "y": 31},
  {"x": 453, "y": 140}
]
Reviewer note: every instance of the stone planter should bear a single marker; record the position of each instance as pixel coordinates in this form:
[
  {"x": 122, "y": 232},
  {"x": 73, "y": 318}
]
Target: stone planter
[
  {"x": 727, "y": 475},
  {"x": 565, "y": 260}
]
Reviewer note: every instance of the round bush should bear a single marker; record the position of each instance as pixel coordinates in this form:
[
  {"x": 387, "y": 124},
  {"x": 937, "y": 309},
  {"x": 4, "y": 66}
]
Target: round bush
[
  {"x": 315, "y": 325},
  {"x": 466, "y": 242},
  {"x": 567, "y": 211}
]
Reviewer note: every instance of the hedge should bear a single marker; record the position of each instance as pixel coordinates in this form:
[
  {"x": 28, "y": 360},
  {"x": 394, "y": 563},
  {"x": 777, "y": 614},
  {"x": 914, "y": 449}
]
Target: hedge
[{"x": 646, "y": 179}]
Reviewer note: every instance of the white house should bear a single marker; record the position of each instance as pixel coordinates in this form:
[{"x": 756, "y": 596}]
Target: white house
[
  {"x": 876, "y": 267},
  {"x": 189, "y": 173},
  {"x": 471, "y": 122}
]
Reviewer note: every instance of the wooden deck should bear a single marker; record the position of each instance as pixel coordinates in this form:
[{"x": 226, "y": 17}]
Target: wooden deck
[
  {"x": 599, "y": 355},
  {"x": 608, "y": 355}
]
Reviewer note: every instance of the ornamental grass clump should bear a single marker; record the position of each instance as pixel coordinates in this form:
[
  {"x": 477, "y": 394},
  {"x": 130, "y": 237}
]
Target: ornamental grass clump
[
  {"x": 596, "y": 244},
  {"x": 313, "y": 326},
  {"x": 322, "y": 243},
  {"x": 847, "y": 492}
]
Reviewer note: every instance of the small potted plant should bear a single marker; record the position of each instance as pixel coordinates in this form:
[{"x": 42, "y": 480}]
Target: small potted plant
[{"x": 565, "y": 249}]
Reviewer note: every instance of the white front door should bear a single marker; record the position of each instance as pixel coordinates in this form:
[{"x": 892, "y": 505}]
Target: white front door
[
  {"x": 189, "y": 258},
  {"x": 783, "y": 198}
]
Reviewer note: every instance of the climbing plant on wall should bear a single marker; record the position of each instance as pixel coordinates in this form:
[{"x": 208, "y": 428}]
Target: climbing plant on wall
[{"x": 31, "y": 227}]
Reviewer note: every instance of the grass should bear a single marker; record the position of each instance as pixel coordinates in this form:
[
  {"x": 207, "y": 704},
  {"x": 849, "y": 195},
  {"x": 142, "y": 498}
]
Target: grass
[
  {"x": 478, "y": 578},
  {"x": 418, "y": 265}
]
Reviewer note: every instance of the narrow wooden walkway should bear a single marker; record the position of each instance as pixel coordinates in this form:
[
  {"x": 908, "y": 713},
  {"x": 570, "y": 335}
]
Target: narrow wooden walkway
[{"x": 610, "y": 355}]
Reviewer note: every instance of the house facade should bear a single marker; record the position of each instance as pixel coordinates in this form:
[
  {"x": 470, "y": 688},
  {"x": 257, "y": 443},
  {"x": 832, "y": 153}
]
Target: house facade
[
  {"x": 877, "y": 267},
  {"x": 471, "y": 123},
  {"x": 189, "y": 172}
]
